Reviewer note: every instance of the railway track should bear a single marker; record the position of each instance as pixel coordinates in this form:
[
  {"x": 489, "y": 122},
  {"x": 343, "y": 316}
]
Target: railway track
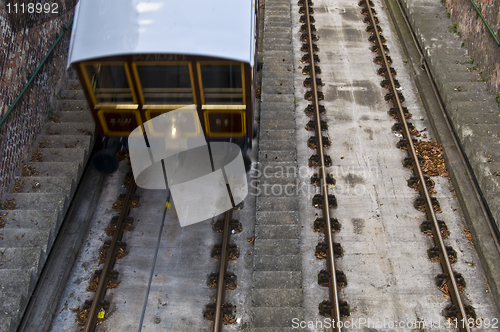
[
  {"x": 327, "y": 200},
  {"x": 458, "y": 310},
  {"x": 458, "y": 314},
  {"x": 97, "y": 311}
]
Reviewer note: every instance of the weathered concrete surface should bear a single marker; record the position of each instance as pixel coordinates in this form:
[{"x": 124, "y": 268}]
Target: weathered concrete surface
[{"x": 389, "y": 276}]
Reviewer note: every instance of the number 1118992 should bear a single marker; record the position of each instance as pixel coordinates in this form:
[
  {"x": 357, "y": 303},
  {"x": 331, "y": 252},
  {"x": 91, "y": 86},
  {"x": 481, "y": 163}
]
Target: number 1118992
[{"x": 31, "y": 8}]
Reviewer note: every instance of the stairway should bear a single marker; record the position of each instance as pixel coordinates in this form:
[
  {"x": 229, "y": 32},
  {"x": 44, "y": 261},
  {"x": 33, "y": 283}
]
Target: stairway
[{"x": 34, "y": 211}]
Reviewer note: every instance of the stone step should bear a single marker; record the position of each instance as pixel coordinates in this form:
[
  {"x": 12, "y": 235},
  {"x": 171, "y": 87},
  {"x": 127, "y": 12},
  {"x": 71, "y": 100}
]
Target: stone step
[
  {"x": 276, "y": 232},
  {"x": 276, "y": 247},
  {"x": 64, "y": 105},
  {"x": 16, "y": 288},
  {"x": 38, "y": 201},
  {"x": 70, "y": 129},
  {"x": 74, "y": 84},
  {"x": 18, "y": 219},
  {"x": 57, "y": 155},
  {"x": 276, "y": 316},
  {"x": 64, "y": 141},
  {"x": 277, "y": 279},
  {"x": 277, "y": 218},
  {"x": 44, "y": 184},
  {"x": 27, "y": 238},
  {"x": 20, "y": 258},
  {"x": 280, "y": 146},
  {"x": 277, "y": 263},
  {"x": 67, "y": 169},
  {"x": 278, "y": 156},
  {"x": 281, "y": 135},
  {"x": 75, "y": 116},
  {"x": 76, "y": 94},
  {"x": 277, "y": 297}
]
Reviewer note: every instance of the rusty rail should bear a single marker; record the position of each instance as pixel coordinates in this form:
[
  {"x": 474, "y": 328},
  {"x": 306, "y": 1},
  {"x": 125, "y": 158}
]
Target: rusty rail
[
  {"x": 221, "y": 285},
  {"x": 335, "y": 312},
  {"x": 110, "y": 259},
  {"x": 438, "y": 239}
]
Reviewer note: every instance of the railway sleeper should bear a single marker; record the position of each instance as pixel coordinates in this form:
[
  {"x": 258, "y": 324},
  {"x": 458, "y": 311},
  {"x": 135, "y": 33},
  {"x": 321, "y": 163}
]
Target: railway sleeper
[
  {"x": 364, "y": 11},
  {"x": 312, "y": 142},
  {"x": 230, "y": 279},
  {"x": 121, "y": 250},
  {"x": 373, "y": 38},
  {"x": 383, "y": 71},
  {"x": 311, "y": 125},
  {"x": 318, "y": 201},
  {"x": 325, "y": 309},
  {"x": 434, "y": 252},
  {"x": 305, "y": 37},
  {"x": 309, "y": 95},
  {"x": 303, "y": 28},
  {"x": 82, "y": 313},
  {"x": 380, "y": 61},
  {"x": 234, "y": 225},
  {"x": 315, "y": 162},
  {"x": 319, "y": 225},
  {"x": 426, "y": 228},
  {"x": 451, "y": 312},
  {"x": 302, "y": 3},
  {"x": 111, "y": 282},
  {"x": 308, "y": 81},
  {"x": 315, "y": 179},
  {"x": 232, "y": 251},
  {"x": 376, "y": 49},
  {"x": 324, "y": 278},
  {"x": 228, "y": 313},
  {"x": 386, "y": 84},
  {"x": 129, "y": 225},
  {"x": 303, "y": 19},
  {"x": 321, "y": 251},
  {"x": 391, "y": 97},
  {"x": 307, "y": 70},
  {"x": 305, "y": 48},
  {"x": 302, "y": 9},
  {"x": 393, "y": 112},
  {"x": 362, "y": 3},
  {"x": 420, "y": 204},
  {"x": 369, "y": 21},
  {"x": 309, "y": 110},
  {"x": 408, "y": 161},
  {"x": 370, "y": 28},
  {"x": 442, "y": 282},
  {"x": 134, "y": 202},
  {"x": 403, "y": 144}
]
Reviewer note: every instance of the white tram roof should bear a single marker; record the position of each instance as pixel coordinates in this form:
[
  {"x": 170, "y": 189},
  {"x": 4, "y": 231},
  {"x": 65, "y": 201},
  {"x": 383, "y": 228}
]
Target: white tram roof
[{"x": 215, "y": 28}]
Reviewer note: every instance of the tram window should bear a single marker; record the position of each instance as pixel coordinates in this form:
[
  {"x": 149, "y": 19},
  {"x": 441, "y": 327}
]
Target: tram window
[
  {"x": 165, "y": 84},
  {"x": 222, "y": 84},
  {"x": 109, "y": 83}
]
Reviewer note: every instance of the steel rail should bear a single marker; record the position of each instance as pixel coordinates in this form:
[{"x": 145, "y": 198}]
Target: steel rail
[
  {"x": 438, "y": 239},
  {"x": 472, "y": 179},
  {"x": 335, "y": 313},
  {"x": 221, "y": 285},
  {"x": 110, "y": 260}
]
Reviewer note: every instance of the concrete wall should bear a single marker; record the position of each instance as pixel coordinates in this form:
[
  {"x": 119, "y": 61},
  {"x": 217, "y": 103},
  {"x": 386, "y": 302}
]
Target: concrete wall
[
  {"x": 478, "y": 40},
  {"x": 25, "y": 40}
]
